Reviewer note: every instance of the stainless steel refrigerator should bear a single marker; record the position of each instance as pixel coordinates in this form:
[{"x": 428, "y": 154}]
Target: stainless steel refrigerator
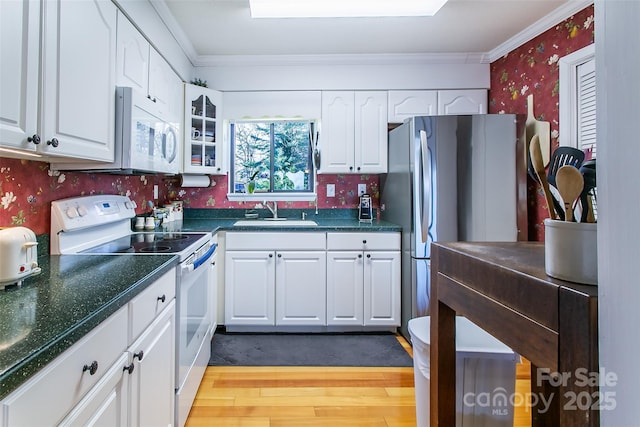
[{"x": 450, "y": 178}]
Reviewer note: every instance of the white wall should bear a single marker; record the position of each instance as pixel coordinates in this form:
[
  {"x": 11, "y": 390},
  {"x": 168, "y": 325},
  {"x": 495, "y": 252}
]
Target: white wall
[
  {"x": 352, "y": 72},
  {"x": 618, "y": 112}
]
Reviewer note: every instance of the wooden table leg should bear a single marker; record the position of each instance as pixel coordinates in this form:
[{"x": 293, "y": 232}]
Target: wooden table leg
[
  {"x": 443, "y": 356},
  {"x": 545, "y": 401}
]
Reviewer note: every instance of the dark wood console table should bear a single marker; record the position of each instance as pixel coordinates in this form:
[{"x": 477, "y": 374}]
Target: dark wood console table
[{"x": 503, "y": 288}]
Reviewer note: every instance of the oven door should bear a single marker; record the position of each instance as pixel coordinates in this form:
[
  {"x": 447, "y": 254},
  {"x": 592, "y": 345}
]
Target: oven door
[{"x": 194, "y": 313}]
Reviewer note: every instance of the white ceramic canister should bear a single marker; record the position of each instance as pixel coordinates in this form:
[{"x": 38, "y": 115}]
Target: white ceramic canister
[{"x": 571, "y": 251}]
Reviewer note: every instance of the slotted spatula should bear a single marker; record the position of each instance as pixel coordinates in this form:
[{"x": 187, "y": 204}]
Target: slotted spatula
[{"x": 562, "y": 156}]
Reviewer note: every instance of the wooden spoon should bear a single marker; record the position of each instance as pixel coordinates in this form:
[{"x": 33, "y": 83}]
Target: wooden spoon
[
  {"x": 538, "y": 166},
  {"x": 570, "y": 183}
]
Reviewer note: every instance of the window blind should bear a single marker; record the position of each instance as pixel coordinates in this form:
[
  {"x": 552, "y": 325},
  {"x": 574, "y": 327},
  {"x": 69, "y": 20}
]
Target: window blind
[{"x": 586, "y": 102}]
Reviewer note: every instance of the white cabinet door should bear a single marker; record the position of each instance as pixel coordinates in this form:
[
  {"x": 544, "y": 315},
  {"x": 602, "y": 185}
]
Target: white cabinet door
[
  {"x": 165, "y": 88},
  {"x": 20, "y": 52},
  {"x": 353, "y": 136},
  {"x": 203, "y": 134},
  {"x": 152, "y": 371},
  {"x": 370, "y": 132},
  {"x": 382, "y": 288},
  {"x": 404, "y": 104},
  {"x": 462, "y": 101},
  {"x": 345, "y": 276},
  {"x": 301, "y": 288},
  {"x": 79, "y": 70},
  {"x": 337, "y": 132},
  {"x": 249, "y": 288},
  {"x": 105, "y": 405},
  {"x": 132, "y": 57}
]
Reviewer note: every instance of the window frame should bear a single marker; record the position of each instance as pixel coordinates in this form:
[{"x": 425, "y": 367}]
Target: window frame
[
  {"x": 292, "y": 195},
  {"x": 568, "y": 94}
]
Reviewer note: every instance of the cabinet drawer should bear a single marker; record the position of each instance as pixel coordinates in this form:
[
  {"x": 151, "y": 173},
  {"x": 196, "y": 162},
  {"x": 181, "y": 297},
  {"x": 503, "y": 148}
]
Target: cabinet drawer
[
  {"x": 275, "y": 241},
  {"x": 146, "y": 306},
  {"x": 47, "y": 397},
  {"x": 363, "y": 241}
]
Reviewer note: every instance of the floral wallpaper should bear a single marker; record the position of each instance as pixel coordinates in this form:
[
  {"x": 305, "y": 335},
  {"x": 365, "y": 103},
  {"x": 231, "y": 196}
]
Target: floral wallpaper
[
  {"x": 533, "y": 69},
  {"x": 346, "y": 195},
  {"x": 28, "y": 187}
]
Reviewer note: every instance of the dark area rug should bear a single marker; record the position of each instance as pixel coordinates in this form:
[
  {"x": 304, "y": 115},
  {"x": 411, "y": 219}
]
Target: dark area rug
[{"x": 240, "y": 349}]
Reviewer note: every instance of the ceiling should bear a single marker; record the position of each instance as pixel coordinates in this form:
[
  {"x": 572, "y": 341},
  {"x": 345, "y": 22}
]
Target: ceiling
[{"x": 213, "y": 28}]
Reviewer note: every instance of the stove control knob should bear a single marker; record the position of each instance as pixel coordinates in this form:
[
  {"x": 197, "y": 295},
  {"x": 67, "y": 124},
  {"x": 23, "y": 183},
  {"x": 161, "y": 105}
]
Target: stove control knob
[
  {"x": 82, "y": 211},
  {"x": 72, "y": 212}
]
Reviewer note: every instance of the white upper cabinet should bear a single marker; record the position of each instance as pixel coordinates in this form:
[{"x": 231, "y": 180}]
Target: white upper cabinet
[
  {"x": 165, "y": 88},
  {"x": 78, "y": 87},
  {"x": 462, "y": 101},
  {"x": 203, "y": 134},
  {"x": 133, "y": 57},
  {"x": 19, "y": 47},
  {"x": 353, "y": 137},
  {"x": 404, "y": 104},
  {"x": 141, "y": 67}
]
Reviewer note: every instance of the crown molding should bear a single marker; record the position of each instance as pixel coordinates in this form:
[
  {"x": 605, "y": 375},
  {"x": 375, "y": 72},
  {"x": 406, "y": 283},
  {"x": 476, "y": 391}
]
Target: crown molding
[
  {"x": 340, "y": 59},
  {"x": 554, "y": 18}
]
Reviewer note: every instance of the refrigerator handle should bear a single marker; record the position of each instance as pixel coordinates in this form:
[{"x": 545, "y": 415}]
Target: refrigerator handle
[{"x": 425, "y": 186}]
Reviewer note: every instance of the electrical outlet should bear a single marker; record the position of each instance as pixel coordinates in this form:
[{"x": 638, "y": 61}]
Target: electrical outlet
[
  {"x": 362, "y": 189},
  {"x": 331, "y": 190},
  {"x": 155, "y": 192}
]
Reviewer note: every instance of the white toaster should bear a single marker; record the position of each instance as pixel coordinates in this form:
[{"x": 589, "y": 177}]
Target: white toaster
[{"x": 18, "y": 255}]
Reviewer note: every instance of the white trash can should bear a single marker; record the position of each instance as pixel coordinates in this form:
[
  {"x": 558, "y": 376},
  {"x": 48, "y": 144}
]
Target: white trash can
[{"x": 485, "y": 375}]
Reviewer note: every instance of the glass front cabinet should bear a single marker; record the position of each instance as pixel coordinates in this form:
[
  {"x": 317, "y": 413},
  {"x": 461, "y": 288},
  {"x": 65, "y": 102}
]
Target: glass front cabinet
[{"x": 203, "y": 132}]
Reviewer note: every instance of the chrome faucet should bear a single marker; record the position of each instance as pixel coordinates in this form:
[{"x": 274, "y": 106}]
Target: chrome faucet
[{"x": 274, "y": 210}]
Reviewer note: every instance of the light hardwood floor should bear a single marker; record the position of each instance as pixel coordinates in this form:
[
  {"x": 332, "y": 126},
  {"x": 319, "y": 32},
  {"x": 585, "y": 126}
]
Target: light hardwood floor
[{"x": 231, "y": 396}]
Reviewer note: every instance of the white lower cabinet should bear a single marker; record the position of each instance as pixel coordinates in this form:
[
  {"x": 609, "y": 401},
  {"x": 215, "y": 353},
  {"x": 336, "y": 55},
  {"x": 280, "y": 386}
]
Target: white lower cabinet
[
  {"x": 382, "y": 288},
  {"x": 107, "y": 378},
  {"x": 284, "y": 284},
  {"x": 345, "y": 290},
  {"x": 105, "y": 405},
  {"x": 363, "y": 279},
  {"x": 151, "y": 368},
  {"x": 312, "y": 279},
  {"x": 301, "y": 288},
  {"x": 249, "y": 288}
]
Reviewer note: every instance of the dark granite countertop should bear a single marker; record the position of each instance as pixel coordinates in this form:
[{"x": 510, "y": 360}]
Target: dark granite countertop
[
  {"x": 72, "y": 295},
  {"x": 342, "y": 220}
]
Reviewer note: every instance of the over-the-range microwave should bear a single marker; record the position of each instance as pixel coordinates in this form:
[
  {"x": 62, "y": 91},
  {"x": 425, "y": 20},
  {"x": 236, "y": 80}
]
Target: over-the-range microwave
[{"x": 145, "y": 142}]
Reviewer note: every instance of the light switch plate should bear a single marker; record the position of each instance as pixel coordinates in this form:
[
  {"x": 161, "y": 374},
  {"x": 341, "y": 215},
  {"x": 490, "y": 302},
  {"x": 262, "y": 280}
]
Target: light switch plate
[
  {"x": 155, "y": 192},
  {"x": 362, "y": 189},
  {"x": 331, "y": 190}
]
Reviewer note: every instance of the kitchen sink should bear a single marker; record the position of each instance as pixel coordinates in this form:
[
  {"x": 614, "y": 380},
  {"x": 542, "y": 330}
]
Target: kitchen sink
[{"x": 282, "y": 222}]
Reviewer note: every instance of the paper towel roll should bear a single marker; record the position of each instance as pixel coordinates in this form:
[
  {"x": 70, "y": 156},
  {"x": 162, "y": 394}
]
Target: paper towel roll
[{"x": 195, "y": 181}]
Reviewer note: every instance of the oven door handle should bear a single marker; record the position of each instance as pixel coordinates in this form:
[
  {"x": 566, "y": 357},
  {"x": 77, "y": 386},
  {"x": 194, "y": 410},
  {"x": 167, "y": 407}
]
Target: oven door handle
[{"x": 197, "y": 263}]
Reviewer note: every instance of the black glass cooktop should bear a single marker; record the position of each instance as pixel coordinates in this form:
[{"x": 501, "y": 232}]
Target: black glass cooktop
[{"x": 150, "y": 243}]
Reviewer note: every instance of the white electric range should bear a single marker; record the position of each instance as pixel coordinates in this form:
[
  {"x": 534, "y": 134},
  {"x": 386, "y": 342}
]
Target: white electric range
[{"x": 101, "y": 224}]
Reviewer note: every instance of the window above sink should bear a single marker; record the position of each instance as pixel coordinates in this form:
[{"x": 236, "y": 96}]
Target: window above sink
[{"x": 271, "y": 159}]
